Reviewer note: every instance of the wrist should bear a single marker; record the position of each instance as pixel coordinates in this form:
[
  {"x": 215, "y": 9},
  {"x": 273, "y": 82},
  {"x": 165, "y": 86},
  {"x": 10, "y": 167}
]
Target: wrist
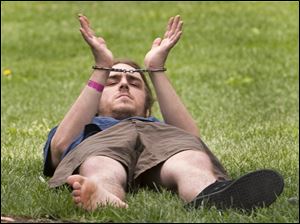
[
  {"x": 99, "y": 76},
  {"x": 156, "y": 73},
  {"x": 156, "y": 69},
  {"x": 103, "y": 61},
  {"x": 103, "y": 64},
  {"x": 95, "y": 85},
  {"x": 107, "y": 69},
  {"x": 154, "y": 66}
]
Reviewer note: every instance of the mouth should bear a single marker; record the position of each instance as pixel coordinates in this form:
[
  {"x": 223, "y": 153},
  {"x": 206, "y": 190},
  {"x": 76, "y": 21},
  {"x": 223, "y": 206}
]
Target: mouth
[{"x": 124, "y": 95}]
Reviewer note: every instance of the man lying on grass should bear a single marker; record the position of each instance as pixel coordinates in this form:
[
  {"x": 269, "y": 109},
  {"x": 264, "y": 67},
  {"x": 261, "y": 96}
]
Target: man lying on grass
[{"x": 109, "y": 144}]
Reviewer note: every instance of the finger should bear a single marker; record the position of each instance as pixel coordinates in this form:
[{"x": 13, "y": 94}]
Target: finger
[
  {"x": 156, "y": 42},
  {"x": 169, "y": 27},
  {"x": 175, "y": 38},
  {"x": 88, "y": 25},
  {"x": 85, "y": 35},
  {"x": 82, "y": 21},
  {"x": 80, "y": 15},
  {"x": 101, "y": 41},
  {"x": 174, "y": 25},
  {"x": 86, "y": 19},
  {"x": 84, "y": 26},
  {"x": 179, "y": 27}
]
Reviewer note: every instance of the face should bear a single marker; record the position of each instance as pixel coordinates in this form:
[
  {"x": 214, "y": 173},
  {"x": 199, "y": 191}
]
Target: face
[{"x": 124, "y": 94}]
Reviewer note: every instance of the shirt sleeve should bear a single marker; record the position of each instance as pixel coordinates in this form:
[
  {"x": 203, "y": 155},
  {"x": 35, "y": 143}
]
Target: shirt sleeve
[{"x": 48, "y": 168}]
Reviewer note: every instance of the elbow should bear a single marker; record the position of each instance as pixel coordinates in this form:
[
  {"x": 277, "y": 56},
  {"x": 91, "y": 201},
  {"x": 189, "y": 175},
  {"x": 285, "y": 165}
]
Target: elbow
[
  {"x": 192, "y": 129},
  {"x": 58, "y": 146},
  {"x": 195, "y": 131}
]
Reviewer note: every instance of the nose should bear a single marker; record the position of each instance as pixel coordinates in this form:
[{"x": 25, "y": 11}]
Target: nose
[{"x": 124, "y": 84}]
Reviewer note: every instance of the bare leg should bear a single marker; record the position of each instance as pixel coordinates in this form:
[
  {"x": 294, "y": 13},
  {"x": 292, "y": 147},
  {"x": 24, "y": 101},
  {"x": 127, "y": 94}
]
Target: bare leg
[
  {"x": 101, "y": 181},
  {"x": 187, "y": 172}
]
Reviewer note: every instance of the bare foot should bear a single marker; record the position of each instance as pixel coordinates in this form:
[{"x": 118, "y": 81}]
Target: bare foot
[{"x": 88, "y": 195}]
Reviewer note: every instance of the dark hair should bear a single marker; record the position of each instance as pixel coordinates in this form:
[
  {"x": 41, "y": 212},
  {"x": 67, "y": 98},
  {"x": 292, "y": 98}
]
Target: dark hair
[{"x": 149, "y": 97}]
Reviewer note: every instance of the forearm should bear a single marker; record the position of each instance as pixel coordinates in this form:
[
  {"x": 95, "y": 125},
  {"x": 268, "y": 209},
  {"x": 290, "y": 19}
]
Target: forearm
[
  {"x": 173, "y": 110},
  {"x": 81, "y": 113}
]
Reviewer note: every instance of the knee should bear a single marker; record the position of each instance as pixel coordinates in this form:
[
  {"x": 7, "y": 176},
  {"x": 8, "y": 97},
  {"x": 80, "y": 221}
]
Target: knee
[
  {"x": 190, "y": 158},
  {"x": 102, "y": 164},
  {"x": 180, "y": 167},
  {"x": 186, "y": 162}
]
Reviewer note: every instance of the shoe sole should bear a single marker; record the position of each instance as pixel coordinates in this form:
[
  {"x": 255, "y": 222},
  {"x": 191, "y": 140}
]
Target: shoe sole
[{"x": 257, "y": 189}]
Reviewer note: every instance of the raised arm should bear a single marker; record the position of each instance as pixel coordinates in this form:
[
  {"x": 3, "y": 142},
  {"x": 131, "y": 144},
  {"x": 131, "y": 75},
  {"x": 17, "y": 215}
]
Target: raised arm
[
  {"x": 173, "y": 110},
  {"x": 86, "y": 105}
]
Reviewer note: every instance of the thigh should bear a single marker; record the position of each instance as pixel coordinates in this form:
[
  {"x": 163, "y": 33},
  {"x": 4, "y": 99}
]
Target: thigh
[
  {"x": 161, "y": 142},
  {"x": 117, "y": 143},
  {"x": 166, "y": 173}
]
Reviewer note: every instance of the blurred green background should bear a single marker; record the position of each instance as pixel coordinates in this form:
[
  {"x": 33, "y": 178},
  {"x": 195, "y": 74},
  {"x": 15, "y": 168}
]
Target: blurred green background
[{"x": 236, "y": 68}]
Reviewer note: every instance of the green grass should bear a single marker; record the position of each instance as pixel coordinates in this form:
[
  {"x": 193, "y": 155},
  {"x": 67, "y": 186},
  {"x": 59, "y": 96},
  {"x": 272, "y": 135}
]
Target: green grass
[{"x": 235, "y": 68}]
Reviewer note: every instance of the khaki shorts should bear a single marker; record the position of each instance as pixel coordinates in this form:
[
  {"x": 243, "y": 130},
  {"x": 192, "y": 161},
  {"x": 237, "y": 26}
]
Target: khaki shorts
[{"x": 137, "y": 145}]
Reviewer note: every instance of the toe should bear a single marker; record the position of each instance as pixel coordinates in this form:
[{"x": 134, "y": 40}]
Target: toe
[
  {"x": 76, "y": 200},
  {"x": 76, "y": 193},
  {"x": 75, "y": 178},
  {"x": 76, "y": 186}
]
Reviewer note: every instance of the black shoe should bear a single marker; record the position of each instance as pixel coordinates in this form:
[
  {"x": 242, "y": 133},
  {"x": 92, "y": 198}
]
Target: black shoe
[{"x": 256, "y": 189}]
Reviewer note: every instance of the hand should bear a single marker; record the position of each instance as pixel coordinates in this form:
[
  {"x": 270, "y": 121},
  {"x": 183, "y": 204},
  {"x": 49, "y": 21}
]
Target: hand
[
  {"x": 103, "y": 56},
  {"x": 157, "y": 56}
]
